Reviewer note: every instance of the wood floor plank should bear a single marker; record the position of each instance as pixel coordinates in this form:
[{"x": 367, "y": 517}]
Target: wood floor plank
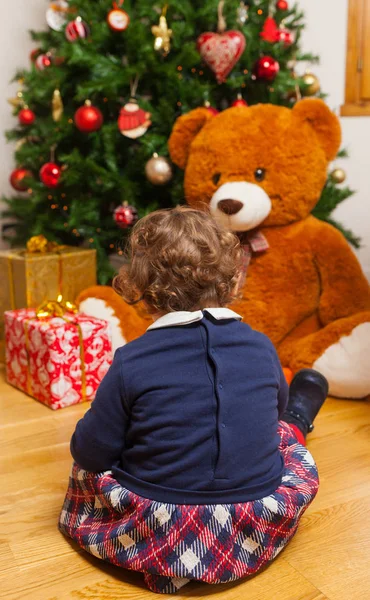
[
  {"x": 336, "y": 556},
  {"x": 328, "y": 559}
]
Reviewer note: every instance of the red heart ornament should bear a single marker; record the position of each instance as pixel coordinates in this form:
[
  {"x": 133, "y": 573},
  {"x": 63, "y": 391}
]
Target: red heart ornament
[{"x": 221, "y": 51}]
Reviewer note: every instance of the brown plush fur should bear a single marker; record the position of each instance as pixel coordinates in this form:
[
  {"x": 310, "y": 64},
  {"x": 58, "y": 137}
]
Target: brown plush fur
[
  {"x": 133, "y": 321},
  {"x": 308, "y": 289}
]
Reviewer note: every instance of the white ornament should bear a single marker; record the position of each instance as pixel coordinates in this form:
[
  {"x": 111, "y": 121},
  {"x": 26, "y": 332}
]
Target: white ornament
[
  {"x": 118, "y": 19},
  {"x": 242, "y": 13},
  {"x": 133, "y": 121},
  {"x": 56, "y": 15}
]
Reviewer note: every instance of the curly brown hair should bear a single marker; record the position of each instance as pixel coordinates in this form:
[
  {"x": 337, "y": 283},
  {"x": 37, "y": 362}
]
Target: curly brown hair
[{"x": 179, "y": 260}]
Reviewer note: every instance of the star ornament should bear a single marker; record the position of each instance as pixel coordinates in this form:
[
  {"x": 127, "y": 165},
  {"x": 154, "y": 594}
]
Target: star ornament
[{"x": 162, "y": 35}]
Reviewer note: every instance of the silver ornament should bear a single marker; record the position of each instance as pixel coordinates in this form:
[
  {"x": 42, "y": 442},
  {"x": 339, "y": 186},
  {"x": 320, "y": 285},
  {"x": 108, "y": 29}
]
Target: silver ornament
[
  {"x": 242, "y": 13},
  {"x": 158, "y": 170}
]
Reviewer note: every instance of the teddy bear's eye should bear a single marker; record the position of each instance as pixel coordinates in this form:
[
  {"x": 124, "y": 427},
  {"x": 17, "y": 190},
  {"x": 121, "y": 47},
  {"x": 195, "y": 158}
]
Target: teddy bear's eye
[
  {"x": 260, "y": 174},
  {"x": 216, "y": 178}
]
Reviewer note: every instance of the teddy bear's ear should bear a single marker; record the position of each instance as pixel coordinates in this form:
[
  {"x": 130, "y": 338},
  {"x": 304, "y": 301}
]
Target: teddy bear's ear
[
  {"x": 324, "y": 122},
  {"x": 184, "y": 131}
]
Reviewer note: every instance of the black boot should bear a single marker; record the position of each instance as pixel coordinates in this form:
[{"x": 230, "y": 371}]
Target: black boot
[{"x": 307, "y": 394}]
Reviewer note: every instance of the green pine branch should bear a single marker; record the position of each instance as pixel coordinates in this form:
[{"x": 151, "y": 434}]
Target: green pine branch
[{"x": 103, "y": 169}]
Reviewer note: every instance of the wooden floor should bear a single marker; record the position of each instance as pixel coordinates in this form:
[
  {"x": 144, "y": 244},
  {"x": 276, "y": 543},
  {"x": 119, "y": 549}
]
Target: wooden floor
[{"x": 328, "y": 558}]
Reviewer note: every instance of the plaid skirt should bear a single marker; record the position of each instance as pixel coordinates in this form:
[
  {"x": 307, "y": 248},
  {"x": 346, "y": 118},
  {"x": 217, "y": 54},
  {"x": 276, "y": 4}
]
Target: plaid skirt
[{"x": 172, "y": 544}]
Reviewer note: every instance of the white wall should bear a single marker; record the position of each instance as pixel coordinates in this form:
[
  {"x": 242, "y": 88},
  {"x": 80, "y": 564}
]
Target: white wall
[
  {"x": 325, "y": 35},
  {"x": 16, "y": 18}
]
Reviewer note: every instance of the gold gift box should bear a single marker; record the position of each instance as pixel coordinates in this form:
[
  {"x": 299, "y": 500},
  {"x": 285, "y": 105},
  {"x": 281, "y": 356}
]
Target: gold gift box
[{"x": 28, "y": 278}]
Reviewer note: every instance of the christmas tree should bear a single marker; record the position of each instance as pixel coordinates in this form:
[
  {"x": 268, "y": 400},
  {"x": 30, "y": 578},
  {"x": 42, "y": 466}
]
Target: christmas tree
[{"x": 105, "y": 85}]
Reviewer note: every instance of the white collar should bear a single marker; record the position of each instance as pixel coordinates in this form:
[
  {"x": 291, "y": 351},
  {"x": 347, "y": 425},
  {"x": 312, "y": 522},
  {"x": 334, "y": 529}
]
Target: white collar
[{"x": 185, "y": 318}]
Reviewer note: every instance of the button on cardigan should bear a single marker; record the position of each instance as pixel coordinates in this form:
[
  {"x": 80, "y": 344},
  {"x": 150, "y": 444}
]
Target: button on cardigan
[{"x": 188, "y": 413}]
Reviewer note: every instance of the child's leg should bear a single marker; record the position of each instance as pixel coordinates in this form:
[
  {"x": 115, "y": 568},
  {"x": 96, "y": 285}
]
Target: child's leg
[{"x": 307, "y": 394}]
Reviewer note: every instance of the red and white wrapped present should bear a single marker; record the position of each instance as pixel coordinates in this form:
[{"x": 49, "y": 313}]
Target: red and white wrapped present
[{"x": 58, "y": 360}]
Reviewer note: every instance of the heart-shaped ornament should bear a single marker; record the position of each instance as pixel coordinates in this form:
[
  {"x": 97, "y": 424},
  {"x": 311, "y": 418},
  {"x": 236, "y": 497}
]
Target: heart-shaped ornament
[{"x": 221, "y": 51}]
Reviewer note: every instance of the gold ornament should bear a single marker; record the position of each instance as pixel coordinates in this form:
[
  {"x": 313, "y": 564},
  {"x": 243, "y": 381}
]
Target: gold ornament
[
  {"x": 30, "y": 139},
  {"x": 158, "y": 170},
  {"x": 312, "y": 82},
  {"x": 18, "y": 99},
  {"x": 20, "y": 143},
  {"x": 338, "y": 175},
  {"x": 162, "y": 34},
  {"x": 57, "y": 106}
]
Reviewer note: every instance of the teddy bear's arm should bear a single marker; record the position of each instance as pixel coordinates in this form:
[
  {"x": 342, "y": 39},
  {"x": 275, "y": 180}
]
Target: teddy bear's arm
[{"x": 345, "y": 290}]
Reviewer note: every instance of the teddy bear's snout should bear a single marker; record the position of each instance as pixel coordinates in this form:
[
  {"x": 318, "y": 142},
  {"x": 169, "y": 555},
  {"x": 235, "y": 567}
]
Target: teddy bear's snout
[{"x": 229, "y": 206}]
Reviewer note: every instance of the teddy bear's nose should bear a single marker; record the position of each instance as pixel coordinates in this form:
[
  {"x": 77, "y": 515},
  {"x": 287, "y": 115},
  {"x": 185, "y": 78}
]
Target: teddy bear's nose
[{"x": 230, "y": 207}]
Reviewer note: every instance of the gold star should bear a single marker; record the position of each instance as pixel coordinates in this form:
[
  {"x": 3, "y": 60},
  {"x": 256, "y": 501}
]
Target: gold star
[{"x": 162, "y": 34}]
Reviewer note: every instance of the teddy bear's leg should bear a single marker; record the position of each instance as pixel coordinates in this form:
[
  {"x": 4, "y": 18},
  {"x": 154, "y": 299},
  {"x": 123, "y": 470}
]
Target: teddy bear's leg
[
  {"x": 103, "y": 302},
  {"x": 340, "y": 351}
]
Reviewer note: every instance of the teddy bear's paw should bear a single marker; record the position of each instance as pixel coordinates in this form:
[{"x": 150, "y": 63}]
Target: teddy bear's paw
[
  {"x": 96, "y": 307},
  {"x": 346, "y": 364}
]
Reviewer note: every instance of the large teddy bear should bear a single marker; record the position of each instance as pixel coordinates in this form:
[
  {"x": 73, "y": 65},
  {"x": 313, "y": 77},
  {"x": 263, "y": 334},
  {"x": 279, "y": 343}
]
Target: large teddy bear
[{"x": 260, "y": 171}]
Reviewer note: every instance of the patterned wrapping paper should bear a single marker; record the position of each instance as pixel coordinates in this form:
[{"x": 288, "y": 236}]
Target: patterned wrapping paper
[
  {"x": 28, "y": 279},
  {"x": 59, "y": 361}
]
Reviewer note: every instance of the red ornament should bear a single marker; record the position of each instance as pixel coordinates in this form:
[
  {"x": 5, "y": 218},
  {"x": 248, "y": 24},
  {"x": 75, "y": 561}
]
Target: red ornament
[
  {"x": 16, "y": 179},
  {"x": 125, "y": 216},
  {"x": 26, "y": 116},
  {"x": 221, "y": 51},
  {"x": 210, "y": 108},
  {"x": 239, "y": 102},
  {"x": 117, "y": 18},
  {"x": 269, "y": 31},
  {"x": 34, "y": 54},
  {"x": 133, "y": 121},
  {"x": 285, "y": 36},
  {"x": 58, "y": 60},
  {"x": 88, "y": 118},
  {"x": 282, "y": 5},
  {"x": 50, "y": 174},
  {"x": 43, "y": 61},
  {"x": 76, "y": 29},
  {"x": 266, "y": 68}
]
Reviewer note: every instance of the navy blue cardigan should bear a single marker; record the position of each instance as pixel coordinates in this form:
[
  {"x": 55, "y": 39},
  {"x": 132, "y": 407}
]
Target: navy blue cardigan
[{"x": 189, "y": 414}]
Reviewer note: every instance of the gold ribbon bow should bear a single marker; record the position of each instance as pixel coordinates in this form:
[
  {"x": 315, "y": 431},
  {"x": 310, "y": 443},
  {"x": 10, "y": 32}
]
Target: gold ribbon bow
[
  {"x": 57, "y": 308},
  {"x": 39, "y": 244}
]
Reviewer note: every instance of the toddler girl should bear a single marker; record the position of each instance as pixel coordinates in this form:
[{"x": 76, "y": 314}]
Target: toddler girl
[{"x": 191, "y": 462}]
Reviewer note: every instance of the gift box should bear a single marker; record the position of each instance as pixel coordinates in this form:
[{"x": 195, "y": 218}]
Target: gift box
[
  {"x": 44, "y": 270},
  {"x": 58, "y": 360}
]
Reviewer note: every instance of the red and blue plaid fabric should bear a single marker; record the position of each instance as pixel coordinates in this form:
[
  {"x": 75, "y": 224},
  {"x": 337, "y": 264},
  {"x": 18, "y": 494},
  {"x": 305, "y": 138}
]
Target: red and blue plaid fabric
[{"x": 172, "y": 543}]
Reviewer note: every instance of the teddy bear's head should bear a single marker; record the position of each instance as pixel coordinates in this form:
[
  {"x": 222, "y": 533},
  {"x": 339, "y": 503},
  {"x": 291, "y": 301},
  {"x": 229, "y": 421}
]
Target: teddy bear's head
[{"x": 260, "y": 164}]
